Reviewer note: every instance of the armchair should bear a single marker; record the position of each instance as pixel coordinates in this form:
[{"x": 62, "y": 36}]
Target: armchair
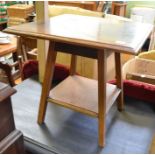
[{"x": 12, "y": 71}]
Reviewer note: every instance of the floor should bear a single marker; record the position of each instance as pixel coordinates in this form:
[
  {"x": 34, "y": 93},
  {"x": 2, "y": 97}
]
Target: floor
[{"x": 65, "y": 131}]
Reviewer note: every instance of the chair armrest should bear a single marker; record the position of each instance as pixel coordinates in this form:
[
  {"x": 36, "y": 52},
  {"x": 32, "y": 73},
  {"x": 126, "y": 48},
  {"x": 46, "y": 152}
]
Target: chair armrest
[
  {"x": 8, "y": 71},
  {"x": 33, "y": 54},
  {"x": 14, "y": 64}
]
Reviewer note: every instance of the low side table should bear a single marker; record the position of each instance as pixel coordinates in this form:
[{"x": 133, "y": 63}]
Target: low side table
[{"x": 89, "y": 37}]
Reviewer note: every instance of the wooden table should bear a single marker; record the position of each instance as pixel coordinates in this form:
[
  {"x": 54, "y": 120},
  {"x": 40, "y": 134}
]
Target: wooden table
[
  {"x": 8, "y": 48},
  {"x": 89, "y": 37}
]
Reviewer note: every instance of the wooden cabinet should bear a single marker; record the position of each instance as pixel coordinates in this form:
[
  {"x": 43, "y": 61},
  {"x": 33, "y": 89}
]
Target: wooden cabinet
[{"x": 11, "y": 140}]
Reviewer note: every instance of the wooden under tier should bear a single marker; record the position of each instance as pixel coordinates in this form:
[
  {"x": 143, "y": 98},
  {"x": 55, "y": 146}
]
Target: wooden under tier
[{"x": 81, "y": 94}]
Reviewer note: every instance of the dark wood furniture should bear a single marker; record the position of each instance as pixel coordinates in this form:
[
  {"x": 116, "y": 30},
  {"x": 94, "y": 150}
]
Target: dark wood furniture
[
  {"x": 89, "y": 37},
  {"x": 3, "y": 25},
  {"x": 11, "y": 140}
]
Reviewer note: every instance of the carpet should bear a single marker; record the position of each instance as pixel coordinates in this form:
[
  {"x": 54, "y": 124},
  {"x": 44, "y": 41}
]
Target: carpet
[{"x": 66, "y": 131}]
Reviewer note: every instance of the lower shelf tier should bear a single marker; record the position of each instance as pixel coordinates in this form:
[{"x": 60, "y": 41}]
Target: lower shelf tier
[{"x": 81, "y": 94}]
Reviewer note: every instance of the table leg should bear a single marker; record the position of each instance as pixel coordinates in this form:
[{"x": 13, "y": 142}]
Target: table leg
[
  {"x": 47, "y": 82},
  {"x": 102, "y": 66},
  {"x": 73, "y": 65},
  {"x": 119, "y": 82}
]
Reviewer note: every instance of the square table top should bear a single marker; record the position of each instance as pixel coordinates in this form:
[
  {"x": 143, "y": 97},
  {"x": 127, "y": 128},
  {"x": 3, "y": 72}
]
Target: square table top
[{"x": 117, "y": 34}]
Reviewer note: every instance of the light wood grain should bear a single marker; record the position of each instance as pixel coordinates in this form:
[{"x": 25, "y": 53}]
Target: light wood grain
[
  {"x": 81, "y": 94},
  {"x": 117, "y": 34},
  {"x": 102, "y": 93},
  {"x": 41, "y": 8},
  {"x": 73, "y": 64},
  {"x": 89, "y": 37},
  {"x": 50, "y": 64},
  {"x": 8, "y": 48}
]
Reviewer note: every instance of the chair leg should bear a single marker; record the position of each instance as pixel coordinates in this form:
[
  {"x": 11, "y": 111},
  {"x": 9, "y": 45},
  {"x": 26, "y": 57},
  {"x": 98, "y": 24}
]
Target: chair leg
[
  {"x": 119, "y": 82},
  {"x": 102, "y": 66},
  {"x": 47, "y": 82}
]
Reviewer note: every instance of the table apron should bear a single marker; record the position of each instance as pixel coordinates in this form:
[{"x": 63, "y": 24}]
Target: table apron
[{"x": 76, "y": 50}]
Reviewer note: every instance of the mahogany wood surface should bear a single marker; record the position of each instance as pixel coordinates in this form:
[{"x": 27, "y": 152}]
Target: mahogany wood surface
[
  {"x": 11, "y": 140},
  {"x": 13, "y": 143},
  {"x": 120, "y": 35}
]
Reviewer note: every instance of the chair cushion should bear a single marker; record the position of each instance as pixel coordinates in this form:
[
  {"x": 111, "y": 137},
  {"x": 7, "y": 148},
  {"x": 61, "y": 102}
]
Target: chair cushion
[
  {"x": 30, "y": 68},
  {"x": 138, "y": 90},
  {"x": 60, "y": 72}
]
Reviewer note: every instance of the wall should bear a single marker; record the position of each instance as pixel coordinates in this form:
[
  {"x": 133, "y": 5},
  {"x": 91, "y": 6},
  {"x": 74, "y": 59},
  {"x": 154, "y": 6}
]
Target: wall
[{"x": 139, "y": 3}]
